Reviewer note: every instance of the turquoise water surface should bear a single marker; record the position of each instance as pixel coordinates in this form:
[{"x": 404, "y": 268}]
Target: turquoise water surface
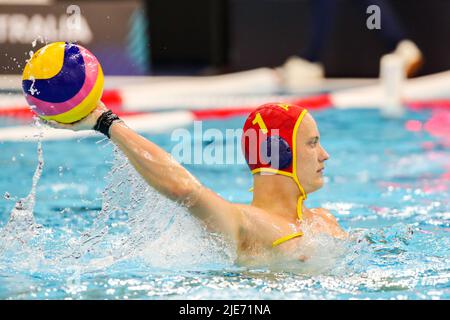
[{"x": 92, "y": 229}]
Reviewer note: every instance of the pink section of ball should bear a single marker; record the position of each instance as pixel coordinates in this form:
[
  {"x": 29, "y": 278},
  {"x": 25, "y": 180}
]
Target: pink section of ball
[{"x": 45, "y": 108}]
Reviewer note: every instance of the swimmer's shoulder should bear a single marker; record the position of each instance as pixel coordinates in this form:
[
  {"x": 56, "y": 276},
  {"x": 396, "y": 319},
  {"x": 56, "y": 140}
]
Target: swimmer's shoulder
[
  {"x": 250, "y": 215},
  {"x": 331, "y": 220},
  {"x": 325, "y": 214},
  {"x": 256, "y": 224}
]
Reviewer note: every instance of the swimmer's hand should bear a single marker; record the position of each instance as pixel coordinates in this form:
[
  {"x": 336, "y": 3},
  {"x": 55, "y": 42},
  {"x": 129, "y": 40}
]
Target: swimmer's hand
[{"x": 86, "y": 123}]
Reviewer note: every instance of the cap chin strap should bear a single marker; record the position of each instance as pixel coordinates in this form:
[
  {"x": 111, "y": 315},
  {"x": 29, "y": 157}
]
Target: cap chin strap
[
  {"x": 300, "y": 207},
  {"x": 294, "y": 167}
]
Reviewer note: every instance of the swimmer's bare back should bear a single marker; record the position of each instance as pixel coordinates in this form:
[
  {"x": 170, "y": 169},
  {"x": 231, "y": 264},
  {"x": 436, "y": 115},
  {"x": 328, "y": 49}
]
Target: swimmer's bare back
[{"x": 252, "y": 229}]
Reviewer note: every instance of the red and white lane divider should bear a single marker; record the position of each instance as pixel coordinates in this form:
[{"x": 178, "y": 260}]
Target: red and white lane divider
[
  {"x": 143, "y": 122},
  {"x": 427, "y": 91},
  {"x": 201, "y": 100},
  {"x": 15, "y": 105}
]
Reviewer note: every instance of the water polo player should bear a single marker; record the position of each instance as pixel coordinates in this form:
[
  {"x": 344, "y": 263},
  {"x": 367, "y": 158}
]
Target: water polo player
[{"x": 277, "y": 222}]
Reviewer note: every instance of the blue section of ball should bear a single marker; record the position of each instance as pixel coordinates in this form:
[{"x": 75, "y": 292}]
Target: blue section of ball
[
  {"x": 280, "y": 160},
  {"x": 66, "y": 83}
]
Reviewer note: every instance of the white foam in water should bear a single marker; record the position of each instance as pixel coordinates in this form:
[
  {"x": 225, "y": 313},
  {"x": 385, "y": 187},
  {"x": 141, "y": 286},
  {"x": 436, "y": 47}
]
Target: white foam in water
[
  {"x": 136, "y": 222},
  {"x": 156, "y": 230},
  {"x": 162, "y": 232},
  {"x": 315, "y": 254}
]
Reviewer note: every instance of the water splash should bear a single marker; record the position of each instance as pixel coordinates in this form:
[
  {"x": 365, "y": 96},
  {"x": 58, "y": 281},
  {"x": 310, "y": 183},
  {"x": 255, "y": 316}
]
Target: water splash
[
  {"x": 32, "y": 89},
  {"x": 21, "y": 232},
  {"x": 137, "y": 222},
  {"x": 39, "y": 37}
]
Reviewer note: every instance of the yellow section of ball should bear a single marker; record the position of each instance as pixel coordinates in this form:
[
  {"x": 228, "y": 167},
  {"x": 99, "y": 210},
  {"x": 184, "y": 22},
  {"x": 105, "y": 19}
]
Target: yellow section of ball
[
  {"x": 46, "y": 62},
  {"x": 86, "y": 106}
]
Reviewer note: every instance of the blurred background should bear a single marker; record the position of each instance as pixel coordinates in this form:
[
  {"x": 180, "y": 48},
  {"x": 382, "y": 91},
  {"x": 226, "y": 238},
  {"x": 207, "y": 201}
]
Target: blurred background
[{"x": 205, "y": 37}]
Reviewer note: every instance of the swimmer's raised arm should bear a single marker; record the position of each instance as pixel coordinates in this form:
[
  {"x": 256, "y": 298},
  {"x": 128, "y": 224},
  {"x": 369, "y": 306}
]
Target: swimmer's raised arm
[{"x": 167, "y": 176}]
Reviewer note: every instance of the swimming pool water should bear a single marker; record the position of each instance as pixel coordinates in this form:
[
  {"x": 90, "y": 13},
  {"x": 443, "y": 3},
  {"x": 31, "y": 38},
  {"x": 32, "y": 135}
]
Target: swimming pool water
[{"x": 97, "y": 231}]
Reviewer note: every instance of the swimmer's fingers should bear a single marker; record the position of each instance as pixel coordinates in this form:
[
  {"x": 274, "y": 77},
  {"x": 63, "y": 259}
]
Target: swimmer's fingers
[
  {"x": 58, "y": 125},
  {"x": 76, "y": 126},
  {"x": 83, "y": 124}
]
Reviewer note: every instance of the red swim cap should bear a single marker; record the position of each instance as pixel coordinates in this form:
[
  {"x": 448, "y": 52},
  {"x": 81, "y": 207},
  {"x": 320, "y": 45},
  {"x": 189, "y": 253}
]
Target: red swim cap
[{"x": 269, "y": 141}]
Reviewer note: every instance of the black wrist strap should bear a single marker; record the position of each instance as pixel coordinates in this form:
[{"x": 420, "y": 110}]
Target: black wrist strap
[{"x": 105, "y": 121}]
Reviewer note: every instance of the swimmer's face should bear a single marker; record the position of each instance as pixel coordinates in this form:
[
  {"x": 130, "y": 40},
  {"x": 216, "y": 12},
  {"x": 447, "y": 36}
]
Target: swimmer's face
[{"x": 311, "y": 156}]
